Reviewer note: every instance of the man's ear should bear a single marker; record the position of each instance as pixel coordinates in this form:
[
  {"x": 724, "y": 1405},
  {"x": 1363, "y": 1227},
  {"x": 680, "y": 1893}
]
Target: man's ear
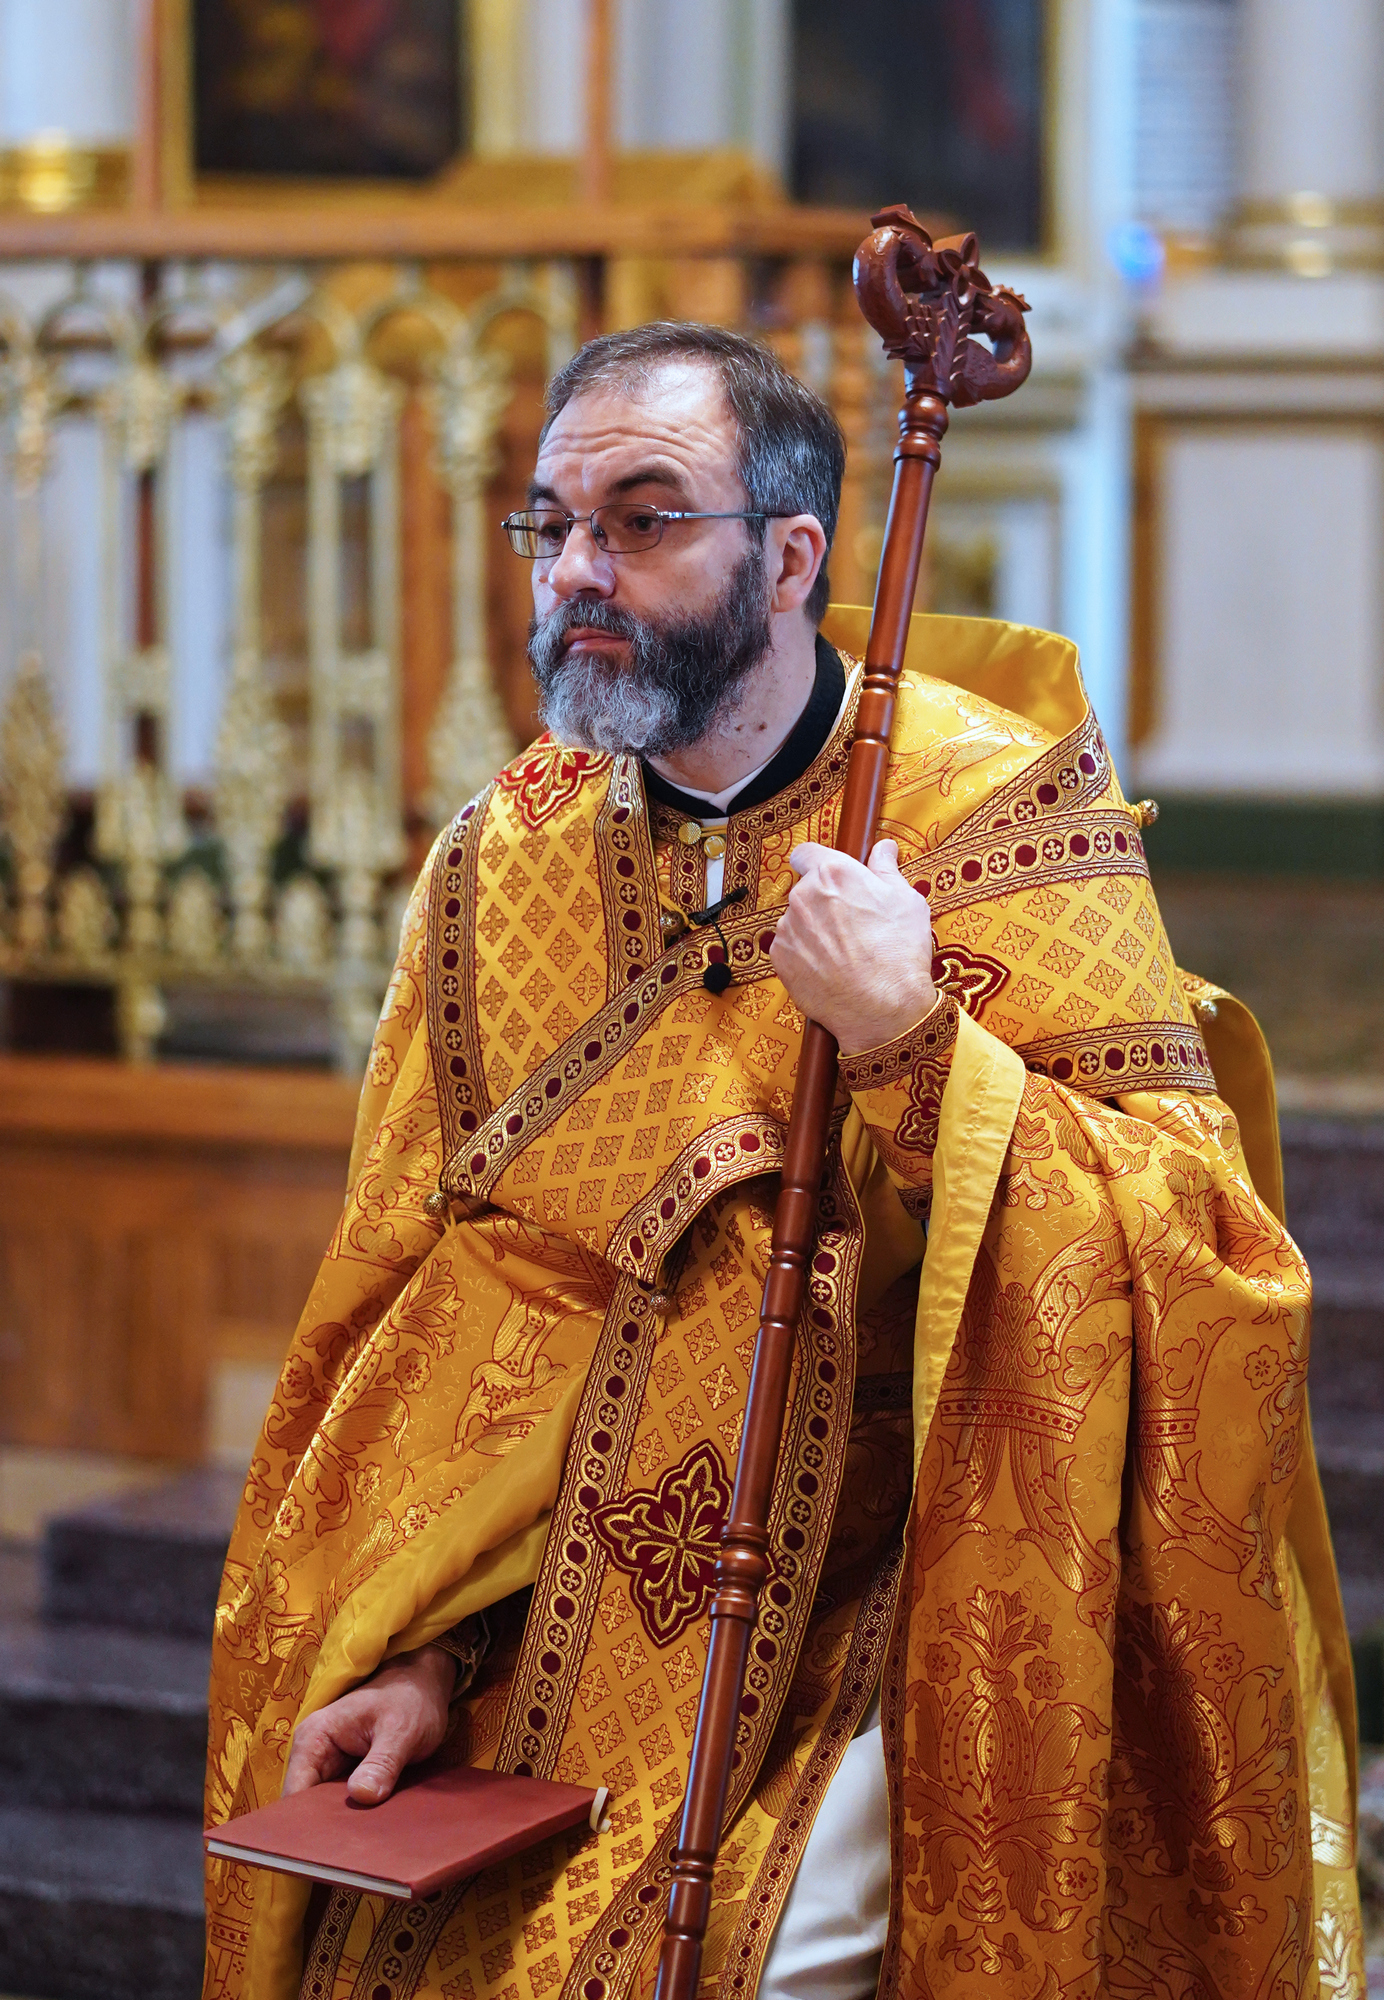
[{"x": 796, "y": 549}]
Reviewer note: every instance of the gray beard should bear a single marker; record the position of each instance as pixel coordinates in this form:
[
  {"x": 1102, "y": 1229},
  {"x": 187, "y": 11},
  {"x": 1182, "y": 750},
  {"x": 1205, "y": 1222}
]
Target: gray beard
[{"x": 679, "y": 681}]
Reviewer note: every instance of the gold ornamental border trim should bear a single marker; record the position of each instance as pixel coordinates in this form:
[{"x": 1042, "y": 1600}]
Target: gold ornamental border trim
[
  {"x": 1043, "y": 826},
  {"x": 629, "y": 882},
  {"x": 874, "y": 1069},
  {"x": 686, "y": 865},
  {"x": 1123, "y": 1058},
  {"x": 568, "y": 1585},
  {"x": 1093, "y": 841},
  {"x": 737, "y": 1149},
  {"x": 804, "y": 1502},
  {"x": 1074, "y": 771},
  {"x": 750, "y": 1941},
  {"x": 329, "y": 1941},
  {"x": 453, "y": 1024},
  {"x": 893, "y": 1695}
]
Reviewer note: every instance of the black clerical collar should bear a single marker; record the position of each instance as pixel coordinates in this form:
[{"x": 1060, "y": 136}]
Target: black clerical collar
[{"x": 803, "y": 742}]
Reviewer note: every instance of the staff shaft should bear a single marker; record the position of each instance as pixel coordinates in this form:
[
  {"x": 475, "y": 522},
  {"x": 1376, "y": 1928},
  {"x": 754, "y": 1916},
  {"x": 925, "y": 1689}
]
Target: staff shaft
[{"x": 926, "y": 323}]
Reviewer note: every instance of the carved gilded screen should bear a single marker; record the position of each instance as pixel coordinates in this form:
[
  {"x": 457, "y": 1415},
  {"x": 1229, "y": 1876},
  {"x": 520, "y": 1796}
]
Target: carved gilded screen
[{"x": 938, "y": 101}]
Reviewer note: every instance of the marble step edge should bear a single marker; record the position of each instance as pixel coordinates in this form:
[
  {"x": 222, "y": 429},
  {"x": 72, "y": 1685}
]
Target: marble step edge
[
  {"x": 1321, "y": 1131},
  {"x": 67, "y": 1929}
]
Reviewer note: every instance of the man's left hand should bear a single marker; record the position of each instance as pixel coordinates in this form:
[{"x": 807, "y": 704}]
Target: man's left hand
[{"x": 854, "y": 947}]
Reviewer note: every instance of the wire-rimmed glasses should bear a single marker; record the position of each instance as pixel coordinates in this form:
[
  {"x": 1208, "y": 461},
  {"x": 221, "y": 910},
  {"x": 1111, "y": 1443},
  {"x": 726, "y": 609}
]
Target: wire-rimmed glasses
[{"x": 620, "y": 528}]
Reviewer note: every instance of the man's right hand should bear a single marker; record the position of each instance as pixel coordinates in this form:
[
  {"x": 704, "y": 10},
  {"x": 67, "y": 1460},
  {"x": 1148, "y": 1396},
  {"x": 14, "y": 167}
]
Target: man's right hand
[{"x": 396, "y": 1718}]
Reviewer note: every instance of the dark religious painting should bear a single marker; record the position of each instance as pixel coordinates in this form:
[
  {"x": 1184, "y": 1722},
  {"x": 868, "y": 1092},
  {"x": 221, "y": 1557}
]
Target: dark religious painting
[
  {"x": 934, "y": 102},
  {"x": 332, "y": 87}
]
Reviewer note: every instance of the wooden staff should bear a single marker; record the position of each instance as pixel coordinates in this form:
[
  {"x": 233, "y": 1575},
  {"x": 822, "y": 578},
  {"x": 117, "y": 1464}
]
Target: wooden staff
[{"x": 926, "y": 300}]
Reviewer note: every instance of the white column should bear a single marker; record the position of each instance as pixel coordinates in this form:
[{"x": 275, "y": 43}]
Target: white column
[
  {"x": 1185, "y": 112},
  {"x": 690, "y": 75},
  {"x": 1312, "y": 136},
  {"x": 67, "y": 66},
  {"x": 674, "y": 66},
  {"x": 557, "y": 58}
]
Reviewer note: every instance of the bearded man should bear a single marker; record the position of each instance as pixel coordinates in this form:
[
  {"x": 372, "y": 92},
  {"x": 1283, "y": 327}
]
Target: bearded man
[{"x": 1049, "y": 1683}]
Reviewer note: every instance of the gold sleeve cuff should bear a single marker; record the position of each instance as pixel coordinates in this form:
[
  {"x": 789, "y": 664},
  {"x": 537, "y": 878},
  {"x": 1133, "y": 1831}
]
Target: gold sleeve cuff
[
  {"x": 932, "y": 1037},
  {"x": 898, "y": 1091}
]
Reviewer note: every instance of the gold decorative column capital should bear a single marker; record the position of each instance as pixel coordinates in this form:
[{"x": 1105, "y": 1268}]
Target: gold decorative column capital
[
  {"x": 1308, "y": 234},
  {"x": 50, "y": 174}
]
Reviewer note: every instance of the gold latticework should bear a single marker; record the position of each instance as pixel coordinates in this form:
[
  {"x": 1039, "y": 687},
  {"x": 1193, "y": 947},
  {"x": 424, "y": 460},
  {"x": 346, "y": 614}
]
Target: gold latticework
[{"x": 275, "y": 364}]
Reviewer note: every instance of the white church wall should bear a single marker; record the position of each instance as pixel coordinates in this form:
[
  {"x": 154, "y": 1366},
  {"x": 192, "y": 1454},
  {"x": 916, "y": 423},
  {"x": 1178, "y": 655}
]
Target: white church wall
[
  {"x": 687, "y": 77},
  {"x": 1269, "y": 578}
]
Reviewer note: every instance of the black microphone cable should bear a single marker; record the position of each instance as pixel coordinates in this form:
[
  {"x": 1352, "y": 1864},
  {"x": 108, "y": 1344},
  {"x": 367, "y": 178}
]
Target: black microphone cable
[{"x": 717, "y": 975}]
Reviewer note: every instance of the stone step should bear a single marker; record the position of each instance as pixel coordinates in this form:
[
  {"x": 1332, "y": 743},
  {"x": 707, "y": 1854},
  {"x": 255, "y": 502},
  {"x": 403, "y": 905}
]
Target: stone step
[
  {"x": 151, "y": 1560},
  {"x": 1350, "y": 1455},
  {"x": 1333, "y": 1176},
  {"x": 100, "y": 1906},
  {"x": 1363, "y": 1597},
  {"x": 1347, "y": 1364},
  {"x": 107, "y": 1718},
  {"x": 95, "y": 1716}
]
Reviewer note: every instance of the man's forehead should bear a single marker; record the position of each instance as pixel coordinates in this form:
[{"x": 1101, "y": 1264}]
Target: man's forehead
[{"x": 676, "y": 414}]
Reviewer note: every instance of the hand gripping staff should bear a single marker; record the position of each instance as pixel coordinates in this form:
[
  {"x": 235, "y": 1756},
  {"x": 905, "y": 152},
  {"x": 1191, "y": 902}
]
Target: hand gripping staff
[{"x": 926, "y": 301}]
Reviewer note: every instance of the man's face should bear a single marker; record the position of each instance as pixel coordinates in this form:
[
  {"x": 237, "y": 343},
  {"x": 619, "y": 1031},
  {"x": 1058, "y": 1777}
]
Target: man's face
[{"x": 644, "y": 651}]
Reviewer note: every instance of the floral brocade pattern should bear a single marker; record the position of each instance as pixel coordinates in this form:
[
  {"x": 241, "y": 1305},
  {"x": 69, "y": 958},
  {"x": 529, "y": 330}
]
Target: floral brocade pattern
[
  {"x": 1097, "y": 1704},
  {"x": 1115, "y": 1767}
]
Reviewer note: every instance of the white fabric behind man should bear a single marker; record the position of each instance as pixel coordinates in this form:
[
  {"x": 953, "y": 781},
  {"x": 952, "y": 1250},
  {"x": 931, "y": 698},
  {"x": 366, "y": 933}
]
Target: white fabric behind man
[{"x": 830, "y": 1938}]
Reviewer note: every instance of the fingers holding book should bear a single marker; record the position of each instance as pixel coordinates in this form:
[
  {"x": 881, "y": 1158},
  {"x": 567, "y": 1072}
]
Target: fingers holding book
[{"x": 393, "y": 1720}]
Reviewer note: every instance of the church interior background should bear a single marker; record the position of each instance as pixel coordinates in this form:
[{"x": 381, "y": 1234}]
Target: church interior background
[{"x": 280, "y": 282}]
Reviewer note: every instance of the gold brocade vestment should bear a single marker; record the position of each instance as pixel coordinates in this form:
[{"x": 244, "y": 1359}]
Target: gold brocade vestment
[{"x": 1050, "y": 1487}]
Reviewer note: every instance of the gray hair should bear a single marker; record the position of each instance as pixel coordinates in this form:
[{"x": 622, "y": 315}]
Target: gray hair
[{"x": 790, "y": 452}]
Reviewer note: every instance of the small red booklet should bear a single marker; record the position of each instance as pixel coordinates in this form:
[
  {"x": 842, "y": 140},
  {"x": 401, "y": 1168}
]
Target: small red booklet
[{"x": 433, "y": 1830}]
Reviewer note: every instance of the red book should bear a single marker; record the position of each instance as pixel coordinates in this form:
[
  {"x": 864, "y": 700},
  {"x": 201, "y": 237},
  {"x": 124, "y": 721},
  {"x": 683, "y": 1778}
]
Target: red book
[{"x": 432, "y": 1830}]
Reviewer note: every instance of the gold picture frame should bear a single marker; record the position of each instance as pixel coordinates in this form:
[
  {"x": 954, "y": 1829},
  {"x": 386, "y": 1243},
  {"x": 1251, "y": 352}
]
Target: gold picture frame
[{"x": 185, "y": 182}]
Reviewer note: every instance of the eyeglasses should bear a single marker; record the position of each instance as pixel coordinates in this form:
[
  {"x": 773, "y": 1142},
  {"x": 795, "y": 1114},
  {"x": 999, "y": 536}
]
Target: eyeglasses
[{"x": 622, "y": 528}]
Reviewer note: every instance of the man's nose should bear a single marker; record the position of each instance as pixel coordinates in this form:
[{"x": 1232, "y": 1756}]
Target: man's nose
[{"x": 582, "y": 568}]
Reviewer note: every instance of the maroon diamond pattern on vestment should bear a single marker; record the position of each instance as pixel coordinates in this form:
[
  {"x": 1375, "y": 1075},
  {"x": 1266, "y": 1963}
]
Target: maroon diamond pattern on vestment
[
  {"x": 969, "y": 976},
  {"x": 666, "y": 1541}
]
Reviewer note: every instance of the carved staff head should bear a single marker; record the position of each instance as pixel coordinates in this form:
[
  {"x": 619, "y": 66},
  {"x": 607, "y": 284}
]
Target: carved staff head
[{"x": 926, "y": 300}]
